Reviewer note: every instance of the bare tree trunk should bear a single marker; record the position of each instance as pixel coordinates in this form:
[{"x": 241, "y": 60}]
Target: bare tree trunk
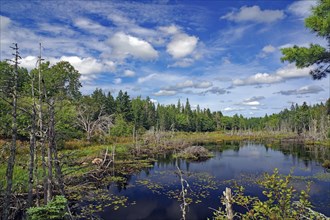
[
  {"x": 11, "y": 160},
  {"x": 32, "y": 145},
  {"x": 37, "y": 177},
  {"x": 41, "y": 130},
  {"x": 51, "y": 143},
  {"x": 228, "y": 203}
]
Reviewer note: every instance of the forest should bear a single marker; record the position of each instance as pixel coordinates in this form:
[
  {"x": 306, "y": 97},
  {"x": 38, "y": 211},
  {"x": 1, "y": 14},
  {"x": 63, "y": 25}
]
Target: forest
[{"x": 98, "y": 114}]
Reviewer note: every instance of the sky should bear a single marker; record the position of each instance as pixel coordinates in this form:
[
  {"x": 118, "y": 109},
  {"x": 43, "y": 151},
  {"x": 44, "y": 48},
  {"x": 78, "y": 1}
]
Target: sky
[{"x": 222, "y": 55}]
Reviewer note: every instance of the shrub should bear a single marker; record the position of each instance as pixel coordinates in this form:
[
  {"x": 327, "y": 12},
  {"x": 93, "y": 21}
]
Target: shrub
[
  {"x": 195, "y": 153},
  {"x": 280, "y": 202},
  {"x": 55, "y": 210}
]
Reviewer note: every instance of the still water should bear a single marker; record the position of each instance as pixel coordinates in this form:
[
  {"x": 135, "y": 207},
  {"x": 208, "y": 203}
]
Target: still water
[{"x": 153, "y": 193}]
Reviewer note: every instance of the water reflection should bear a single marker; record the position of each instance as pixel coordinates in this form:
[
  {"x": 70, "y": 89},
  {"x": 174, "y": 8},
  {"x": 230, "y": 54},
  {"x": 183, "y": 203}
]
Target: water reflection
[{"x": 209, "y": 178}]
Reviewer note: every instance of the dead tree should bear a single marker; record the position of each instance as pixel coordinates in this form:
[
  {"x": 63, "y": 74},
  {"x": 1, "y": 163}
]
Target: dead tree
[
  {"x": 91, "y": 124},
  {"x": 32, "y": 142},
  {"x": 42, "y": 132},
  {"x": 11, "y": 160},
  {"x": 50, "y": 149}
]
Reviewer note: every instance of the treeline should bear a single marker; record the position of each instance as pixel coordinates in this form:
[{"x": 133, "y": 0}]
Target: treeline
[
  {"x": 142, "y": 114},
  {"x": 104, "y": 114}
]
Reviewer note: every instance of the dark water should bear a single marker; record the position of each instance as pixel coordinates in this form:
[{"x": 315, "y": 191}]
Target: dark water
[{"x": 152, "y": 194}]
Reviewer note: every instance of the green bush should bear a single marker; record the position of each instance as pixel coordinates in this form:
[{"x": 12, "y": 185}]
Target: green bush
[
  {"x": 55, "y": 209},
  {"x": 283, "y": 201}
]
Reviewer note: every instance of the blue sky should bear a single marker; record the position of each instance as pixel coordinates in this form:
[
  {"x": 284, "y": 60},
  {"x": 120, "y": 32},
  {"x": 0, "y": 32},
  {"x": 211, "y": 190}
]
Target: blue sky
[{"x": 222, "y": 55}]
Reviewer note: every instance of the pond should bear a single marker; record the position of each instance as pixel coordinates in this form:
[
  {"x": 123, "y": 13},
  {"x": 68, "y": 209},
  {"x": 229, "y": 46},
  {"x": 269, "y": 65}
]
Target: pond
[{"x": 153, "y": 193}]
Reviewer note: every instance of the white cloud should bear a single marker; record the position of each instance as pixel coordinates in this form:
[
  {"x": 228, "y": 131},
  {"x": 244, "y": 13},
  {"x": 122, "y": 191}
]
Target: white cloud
[
  {"x": 165, "y": 93},
  {"x": 311, "y": 89},
  {"x": 252, "y": 103},
  {"x": 259, "y": 78},
  {"x": 185, "y": 84},
  {"x": 148, "y": 78},
  {"x": 159, "y": 79},
  {"x": 88, "y": 24},
  {"x": 172, "y": 29},
  {"x": 268, "y": 49},
  {"x": 29, "y": 62},
  {"x": 129, "y": 73},
  {"x": 86, "y": 66},
  {"x": 231, "y": 109},
  {"x": 291, "y": 71},
  {"x": 287, "y": 72},
  {"x": 191, "y": 84},
  {"x": 254, "y": 14},
  {"x": 110, "y": 66},
  {"x": 182, "y": 45},
  {"x": 254, "y": 98},
  {"x": 203, "y": 85},
  {"x": 4, "y": 22},
  {"x": 124, "y": 45},
  {"x": 185, "y": 62},
  {"x": 302, "y": 8},
  {"x": 117, "y": 81}
]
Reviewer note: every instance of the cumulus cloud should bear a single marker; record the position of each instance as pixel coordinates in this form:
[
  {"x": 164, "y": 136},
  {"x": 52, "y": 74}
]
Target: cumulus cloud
[
  {"x": 129, "y": 73},
  {"x": 232, "y": 109},
  {"x": 291, "y": 71},
  {"x": 254, "y": 98},
  {"x": 251, "y": 103},
  {"x": 165, "y": 93},
  {"x": 254, "y": 14},
  {"x": 191, "y": 84},
  {"x": 259, "y": 78},
  {"x": 281, "y": 74},
  {"x": 311, "y": 89},
  {"x": 124, "y": 45},
  {"x": 203, "y": 84},
  {"x": 171, "y": 30},
  {"x": 181, "y": 45},
  {"x": 29, "y": 62},
  {"x": 88, "y": 66},
  {"x": 302, "y": 8}
]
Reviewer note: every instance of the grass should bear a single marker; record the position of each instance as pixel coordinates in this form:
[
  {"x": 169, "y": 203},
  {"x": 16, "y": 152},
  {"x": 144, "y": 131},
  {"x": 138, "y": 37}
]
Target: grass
[{"x": 78, "y": 152}]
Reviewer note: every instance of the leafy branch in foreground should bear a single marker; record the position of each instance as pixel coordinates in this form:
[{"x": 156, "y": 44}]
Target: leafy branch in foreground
[
  {"x": 280, "y": 202},
  {"x": 314, "y": 55}
]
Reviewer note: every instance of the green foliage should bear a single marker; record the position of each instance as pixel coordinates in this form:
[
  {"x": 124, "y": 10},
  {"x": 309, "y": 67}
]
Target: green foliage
[
  {"x": 55, "y": 209},
  {"x": 318, "y": 22},
  {"x": 282, "y": 201},
  {"x": 121, "y": 127}
]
